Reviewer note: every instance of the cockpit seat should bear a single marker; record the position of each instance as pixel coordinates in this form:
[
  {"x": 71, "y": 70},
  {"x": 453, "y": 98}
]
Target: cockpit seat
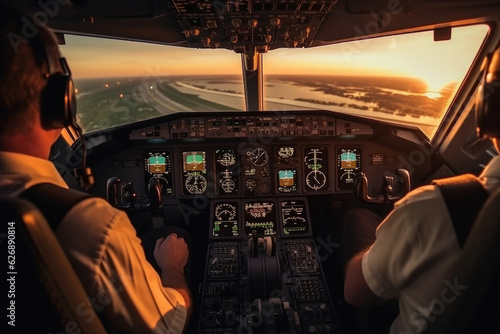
[
  {"x": 475, "y": 280},
  {"x": 44, "y": 294}
]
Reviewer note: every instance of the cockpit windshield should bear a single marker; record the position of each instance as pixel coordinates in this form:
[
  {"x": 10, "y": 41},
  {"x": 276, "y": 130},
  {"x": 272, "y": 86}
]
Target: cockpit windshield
[{"x": 408, "y": 79}]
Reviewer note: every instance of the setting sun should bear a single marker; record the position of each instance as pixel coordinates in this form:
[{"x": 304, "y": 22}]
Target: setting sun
[{"x": 415, "y": 55}]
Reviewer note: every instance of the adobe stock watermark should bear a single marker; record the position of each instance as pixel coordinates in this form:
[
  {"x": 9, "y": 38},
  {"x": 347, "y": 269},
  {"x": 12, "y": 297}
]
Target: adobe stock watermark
[
  {"x": 424, "y": 315},
  {"x": 413, "y": 160},
  {"x": 380, "y": 20},
  {"x": 40, "y": 19},
  {"x": 326, "y": 247}
]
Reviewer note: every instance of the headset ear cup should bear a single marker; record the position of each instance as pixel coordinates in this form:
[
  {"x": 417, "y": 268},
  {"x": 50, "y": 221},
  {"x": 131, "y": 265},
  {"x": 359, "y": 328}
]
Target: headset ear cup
[
  {"x": 58, "y": 103},
  {"x": 491, "y": 110},
  {"x": 488, "y": 98},
  {"x": 488, "y": 110}
]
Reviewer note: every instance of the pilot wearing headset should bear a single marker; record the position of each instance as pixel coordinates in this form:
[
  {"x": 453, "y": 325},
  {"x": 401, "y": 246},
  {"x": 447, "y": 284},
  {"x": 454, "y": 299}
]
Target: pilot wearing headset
[
  {"x": 36, "y": 102},
  {"x": 409, "y": 255}
]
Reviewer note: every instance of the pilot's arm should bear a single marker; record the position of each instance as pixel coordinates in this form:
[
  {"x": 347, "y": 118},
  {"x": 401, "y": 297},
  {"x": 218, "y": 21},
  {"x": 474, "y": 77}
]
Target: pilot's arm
[
  {"x": 171, "y": 254},
  {"x": 380, "y": 271},
  {"x": 356, "y": 290},
  {"x": 121, "y": 283}
]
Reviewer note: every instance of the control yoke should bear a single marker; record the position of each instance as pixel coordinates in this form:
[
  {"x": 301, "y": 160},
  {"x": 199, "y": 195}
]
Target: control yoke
[
  {"x": 123, "y": 196},
  {"x": 386, "y": 190}
]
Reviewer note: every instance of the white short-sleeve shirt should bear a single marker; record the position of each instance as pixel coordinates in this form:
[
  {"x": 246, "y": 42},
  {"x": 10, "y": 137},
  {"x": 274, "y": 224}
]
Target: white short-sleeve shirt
[
  {"x": 414, "y": 249},
  {"x": 102, "y": 246}
]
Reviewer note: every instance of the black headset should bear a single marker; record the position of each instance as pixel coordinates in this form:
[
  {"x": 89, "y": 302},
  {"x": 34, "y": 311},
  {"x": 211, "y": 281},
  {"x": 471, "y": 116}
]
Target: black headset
[
  {"x": 488, "y": 98},
  {"x": 58, "y": 101}
]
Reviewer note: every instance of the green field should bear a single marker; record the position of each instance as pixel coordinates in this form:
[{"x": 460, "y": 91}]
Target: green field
[{"x": 105, "y": 103}]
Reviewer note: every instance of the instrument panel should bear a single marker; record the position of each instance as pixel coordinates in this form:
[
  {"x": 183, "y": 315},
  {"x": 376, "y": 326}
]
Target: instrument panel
[
  {"x": 261, "y": 256},
  {"x": 240, "y": 219},
  {"x": 158, "y": 169},
  {"x": 255, "y": 171},
  {"x": 259, "y": 216},
  {"x": 253, "y": 155},
  {"x": 244, "y": 184}
]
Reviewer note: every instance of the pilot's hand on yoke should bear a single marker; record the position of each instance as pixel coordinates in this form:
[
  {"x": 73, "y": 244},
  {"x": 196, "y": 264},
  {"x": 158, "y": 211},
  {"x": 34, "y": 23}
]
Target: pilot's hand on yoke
[{"x": 171, "y": 253}]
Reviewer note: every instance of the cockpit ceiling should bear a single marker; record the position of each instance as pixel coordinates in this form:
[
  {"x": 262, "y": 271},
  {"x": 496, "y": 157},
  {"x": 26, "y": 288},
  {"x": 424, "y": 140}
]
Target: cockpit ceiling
[{"x": 249, "y": 25}]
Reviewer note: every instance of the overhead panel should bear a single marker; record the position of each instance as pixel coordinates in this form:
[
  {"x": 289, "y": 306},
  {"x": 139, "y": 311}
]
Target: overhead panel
[{"x": 240, "y": 25}]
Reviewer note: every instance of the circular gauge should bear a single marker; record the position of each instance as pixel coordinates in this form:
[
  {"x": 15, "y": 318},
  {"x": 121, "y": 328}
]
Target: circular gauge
[
  {"x": 227, "y": 159},
  {"x": 225, "y": 211},
  {"x": 228, "y": 185},
  {"x": 265, "y": 188},
  {"x": 258, "y": 156},
  {"x": 316, "y": 179},
  {"x": 196, "y": 184},
  {"x": 265, "y": 171},
  {"x": 251, "y": 184}
]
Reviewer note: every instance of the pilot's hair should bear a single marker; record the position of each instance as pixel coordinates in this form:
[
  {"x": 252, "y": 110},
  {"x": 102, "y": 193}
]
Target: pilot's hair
[{"x": 22, "y": 69}]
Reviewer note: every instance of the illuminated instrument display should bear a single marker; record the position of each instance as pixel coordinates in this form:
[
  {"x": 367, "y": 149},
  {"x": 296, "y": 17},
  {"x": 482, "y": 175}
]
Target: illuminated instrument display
[
  {"x": 226, "y": 169},
  {"x": 294, "y": 215},
  {"x": 260, "y": 216},
  {"x": 348, "y": 165},
  {"x": 158, "y": 169},
  {"x": 316, "y": 171},
  {"x": 287, "y": 180},
  {"x": 194, "y": 172},
  {"x": 193, "y": 161},
  {"x": 225, "y": 220}
]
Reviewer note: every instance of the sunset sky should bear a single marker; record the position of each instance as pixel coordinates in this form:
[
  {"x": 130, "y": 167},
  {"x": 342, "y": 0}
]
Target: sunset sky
[{"x": 416, "y": 55}]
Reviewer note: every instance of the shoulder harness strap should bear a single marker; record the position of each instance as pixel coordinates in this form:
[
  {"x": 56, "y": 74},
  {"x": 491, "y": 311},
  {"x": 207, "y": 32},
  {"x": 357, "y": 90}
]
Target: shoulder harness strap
[
  {"x": 53, "y": 201},
  {"x": 464, "y": 196}
]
